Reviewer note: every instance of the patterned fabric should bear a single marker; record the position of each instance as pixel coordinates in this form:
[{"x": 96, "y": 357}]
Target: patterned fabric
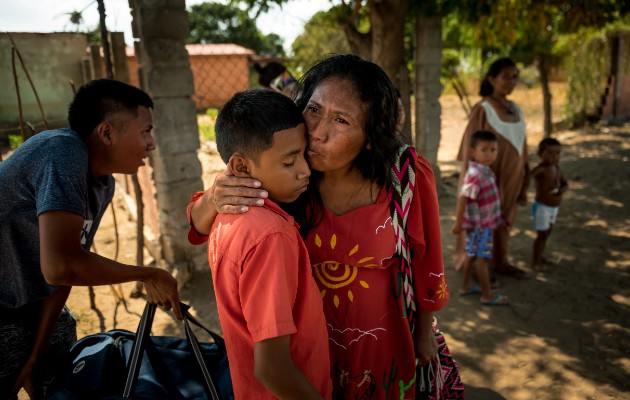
[
  {"x": 357, "y": 269},
  {"x": 484, "y": 205},
  {"x": 446, "y": 385},
  {"x": 479, "y": 242},
  {"x": 400, "y": 196}
]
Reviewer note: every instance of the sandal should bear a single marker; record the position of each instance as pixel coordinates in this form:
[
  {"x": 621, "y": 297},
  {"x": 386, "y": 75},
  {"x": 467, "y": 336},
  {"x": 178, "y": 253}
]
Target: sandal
[
  {"x": 474, "y": 289},
  {"x": 499, "y": 300}
]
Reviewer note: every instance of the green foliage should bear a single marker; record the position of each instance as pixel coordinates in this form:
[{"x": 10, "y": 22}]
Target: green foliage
[
  {"x": 220, "y": 23},
  {"x": 206, "y": 123},
  {"x": 587, "y": 81},
  {"x": 321, "y": 36},
  {"x": 15, "y": 141}
]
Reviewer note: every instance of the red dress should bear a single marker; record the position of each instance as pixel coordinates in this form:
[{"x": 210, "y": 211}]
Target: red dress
[{"x": 357, "y": 270}]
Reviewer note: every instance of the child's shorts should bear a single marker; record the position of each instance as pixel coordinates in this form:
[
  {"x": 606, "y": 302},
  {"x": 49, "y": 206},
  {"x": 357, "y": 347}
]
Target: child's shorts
[
  {"x": 544, "y": 216},
  {"x": 479, "y": 242}
]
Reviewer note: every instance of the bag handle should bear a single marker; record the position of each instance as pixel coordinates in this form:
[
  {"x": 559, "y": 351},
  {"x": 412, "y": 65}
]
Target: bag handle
[{"x": 142, "y": 335}]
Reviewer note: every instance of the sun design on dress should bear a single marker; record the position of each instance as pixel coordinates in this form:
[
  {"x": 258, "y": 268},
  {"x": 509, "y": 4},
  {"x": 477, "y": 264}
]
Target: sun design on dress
[
  {"x": 442, "y": 290},
  {"x": 335, "y": 275}
]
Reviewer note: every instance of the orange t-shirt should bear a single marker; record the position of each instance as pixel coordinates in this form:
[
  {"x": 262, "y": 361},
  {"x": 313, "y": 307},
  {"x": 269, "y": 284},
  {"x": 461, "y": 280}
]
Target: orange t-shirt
[{"x": 264, "y": 289}]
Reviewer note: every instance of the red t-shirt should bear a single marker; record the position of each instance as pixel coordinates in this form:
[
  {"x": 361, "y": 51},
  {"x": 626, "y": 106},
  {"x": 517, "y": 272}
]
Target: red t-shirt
[{"x": 264, "y": 289}]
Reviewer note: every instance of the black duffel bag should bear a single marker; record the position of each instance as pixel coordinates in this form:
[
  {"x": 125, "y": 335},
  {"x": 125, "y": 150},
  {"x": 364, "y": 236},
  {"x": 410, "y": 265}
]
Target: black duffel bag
[{"x": 114, "y": 365}]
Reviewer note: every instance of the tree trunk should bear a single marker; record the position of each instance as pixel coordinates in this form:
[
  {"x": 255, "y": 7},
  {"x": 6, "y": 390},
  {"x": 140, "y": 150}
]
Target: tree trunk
[
  {"x": 428, "y": 70},
  {"x": 109, "y": 68},
  {"x": 388, "y": 49},
  {"x": 543, "y": 72},
  {"x": 360, "y": 43}
]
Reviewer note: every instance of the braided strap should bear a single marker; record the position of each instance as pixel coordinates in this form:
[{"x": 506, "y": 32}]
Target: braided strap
[{"x": 400, "y": 194}]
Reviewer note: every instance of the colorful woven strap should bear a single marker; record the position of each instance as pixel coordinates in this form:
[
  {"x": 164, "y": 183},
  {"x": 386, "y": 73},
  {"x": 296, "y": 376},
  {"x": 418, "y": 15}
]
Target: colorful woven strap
[{"x": 400, "y": 194}]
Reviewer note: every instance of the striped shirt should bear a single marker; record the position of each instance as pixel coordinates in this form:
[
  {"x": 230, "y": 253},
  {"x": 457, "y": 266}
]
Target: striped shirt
[{"x": 483, "y": 209}]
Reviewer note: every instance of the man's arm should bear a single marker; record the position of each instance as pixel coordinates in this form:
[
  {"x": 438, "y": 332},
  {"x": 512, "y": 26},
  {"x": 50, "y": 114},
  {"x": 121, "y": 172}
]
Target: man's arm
[
  {"x": 48, "y": 316},
  {"x": 274, "y": 369},
  {"x": 65, "y": 262}
]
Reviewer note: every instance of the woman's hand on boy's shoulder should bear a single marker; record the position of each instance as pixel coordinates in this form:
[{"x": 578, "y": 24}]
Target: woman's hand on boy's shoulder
[{"x": 234, "y": 195}]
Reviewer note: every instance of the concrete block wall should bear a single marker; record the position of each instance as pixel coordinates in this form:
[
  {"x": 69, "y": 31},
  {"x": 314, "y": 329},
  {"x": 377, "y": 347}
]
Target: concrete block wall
[{"x": 52, "y": 60}]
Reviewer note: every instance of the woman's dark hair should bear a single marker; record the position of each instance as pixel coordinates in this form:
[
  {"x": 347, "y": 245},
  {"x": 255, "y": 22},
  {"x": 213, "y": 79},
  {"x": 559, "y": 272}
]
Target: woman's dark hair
[
  {"x": 495, "y": 69},
  {"x": 99, "y": 98},
  {"x": 378, "y": 94}
]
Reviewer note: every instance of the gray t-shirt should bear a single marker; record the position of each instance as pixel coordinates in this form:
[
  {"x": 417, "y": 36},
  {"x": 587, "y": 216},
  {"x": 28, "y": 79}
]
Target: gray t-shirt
[{"x": 50, "y": 171}]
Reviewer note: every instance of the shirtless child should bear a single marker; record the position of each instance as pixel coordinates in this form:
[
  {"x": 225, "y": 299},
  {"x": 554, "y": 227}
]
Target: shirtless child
[{"x": 550, "y": 186}]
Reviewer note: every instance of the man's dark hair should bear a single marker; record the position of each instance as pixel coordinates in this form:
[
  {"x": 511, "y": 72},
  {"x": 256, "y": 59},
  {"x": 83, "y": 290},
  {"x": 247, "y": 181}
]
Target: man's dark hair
[
  {"x": 482, "y": 136},
  {"x": 101, "y": 97},
  {"x": 247, "y": 122},
  {"x": 269, "y": 72},
  {"x": 546, "y": 143}
]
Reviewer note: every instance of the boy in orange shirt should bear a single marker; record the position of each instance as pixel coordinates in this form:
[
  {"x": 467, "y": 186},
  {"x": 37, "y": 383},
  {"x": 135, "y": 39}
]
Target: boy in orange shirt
[{"x": 269, "y": 306}]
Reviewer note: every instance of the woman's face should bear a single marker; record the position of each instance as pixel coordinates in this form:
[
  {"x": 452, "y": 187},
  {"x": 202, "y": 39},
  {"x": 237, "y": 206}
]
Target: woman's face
[
  {"x": 335, "y": 119},
  {"x": 505, "y": 82}
]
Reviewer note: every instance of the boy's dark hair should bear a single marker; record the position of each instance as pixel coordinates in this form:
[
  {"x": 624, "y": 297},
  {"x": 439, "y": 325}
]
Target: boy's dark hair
[
  {"x": 247, "y": 122},
  {"x": 269, "y": 72},
  {"x": 482, "y": 136},
  {"x": 101, "y": 97},
  {"x": 546, "y": 143},
  {"x": 494, "y": 70}
]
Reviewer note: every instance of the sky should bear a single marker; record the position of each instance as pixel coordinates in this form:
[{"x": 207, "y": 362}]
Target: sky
[{"x": 53, "y": 16}]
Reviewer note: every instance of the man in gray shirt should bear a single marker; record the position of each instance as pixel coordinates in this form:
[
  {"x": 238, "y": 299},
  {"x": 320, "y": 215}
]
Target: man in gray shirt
[{"x": 55, "y": 188}]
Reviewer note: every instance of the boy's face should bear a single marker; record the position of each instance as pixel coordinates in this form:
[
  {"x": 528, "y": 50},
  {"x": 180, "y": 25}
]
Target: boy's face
[
  {"x": 131, "y": 140},
  {"x": 282, "y": 169},
  {"x": 551, "y": 154},
  {"x": 485, "y": 152}
]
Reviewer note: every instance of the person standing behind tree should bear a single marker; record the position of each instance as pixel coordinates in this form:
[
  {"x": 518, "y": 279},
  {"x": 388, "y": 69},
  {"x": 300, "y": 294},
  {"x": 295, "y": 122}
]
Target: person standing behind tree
[
  {"x": 497, "y": 114},
  {"x": 55, "y": 188}
]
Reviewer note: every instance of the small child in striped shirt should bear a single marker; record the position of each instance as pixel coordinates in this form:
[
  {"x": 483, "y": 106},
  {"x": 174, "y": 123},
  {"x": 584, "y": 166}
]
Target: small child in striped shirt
[{"x": 479, "y": 213}]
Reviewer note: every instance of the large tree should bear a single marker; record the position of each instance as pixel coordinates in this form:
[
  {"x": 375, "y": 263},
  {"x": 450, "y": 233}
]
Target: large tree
[
  {"x": 221, "y": 23},
  {"x": 320, "y": 37},
  {"x": 530, "y": 30},
  {"x": 383, "y": 41}
]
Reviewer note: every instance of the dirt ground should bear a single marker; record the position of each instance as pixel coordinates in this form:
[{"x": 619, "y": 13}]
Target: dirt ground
[{"x": 566, "y": 334}]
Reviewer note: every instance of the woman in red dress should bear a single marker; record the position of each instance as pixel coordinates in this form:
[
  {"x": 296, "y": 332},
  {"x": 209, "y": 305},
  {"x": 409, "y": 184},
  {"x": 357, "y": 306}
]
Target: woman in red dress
[{"x": 350, "y": 108}]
